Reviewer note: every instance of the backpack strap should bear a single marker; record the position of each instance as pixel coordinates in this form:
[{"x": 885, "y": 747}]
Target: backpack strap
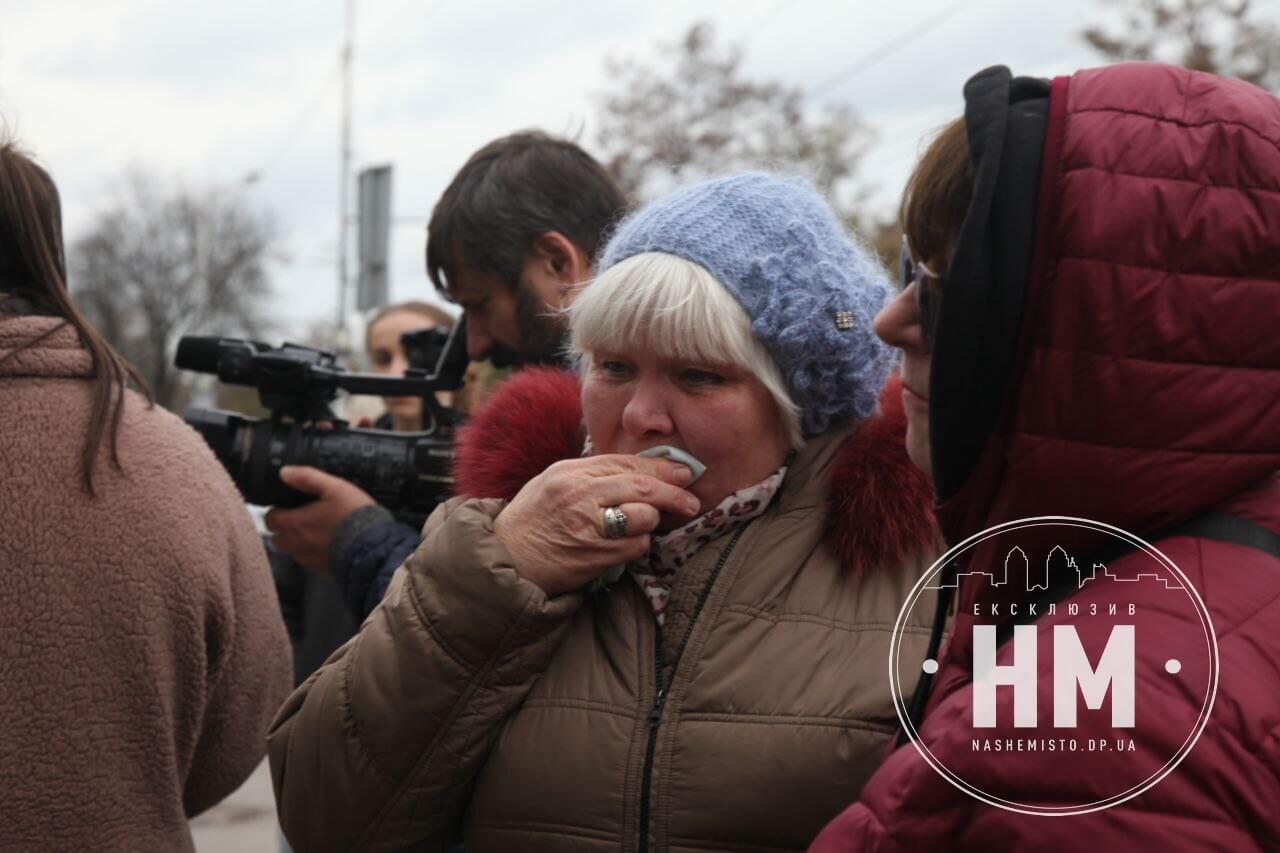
[
  {"x": 1219, "y": 526},
  {"x": 1225, "y": 527}
]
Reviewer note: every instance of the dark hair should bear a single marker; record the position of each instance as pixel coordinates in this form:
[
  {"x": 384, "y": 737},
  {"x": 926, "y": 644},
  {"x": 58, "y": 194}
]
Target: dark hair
[
  {"x": 508, "y": 194},
  {"x": 33, "y": 266},
  {"x": 438, "y": 317},
  {"x": 937, "y": 196}
]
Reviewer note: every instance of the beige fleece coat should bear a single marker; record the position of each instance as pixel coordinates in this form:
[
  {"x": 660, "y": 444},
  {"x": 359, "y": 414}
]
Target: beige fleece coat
[{"x": 142, "y": 652}]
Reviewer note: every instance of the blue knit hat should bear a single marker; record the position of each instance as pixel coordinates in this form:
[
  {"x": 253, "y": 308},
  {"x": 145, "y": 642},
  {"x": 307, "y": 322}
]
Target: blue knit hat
[{"x": 810, "y": 291}]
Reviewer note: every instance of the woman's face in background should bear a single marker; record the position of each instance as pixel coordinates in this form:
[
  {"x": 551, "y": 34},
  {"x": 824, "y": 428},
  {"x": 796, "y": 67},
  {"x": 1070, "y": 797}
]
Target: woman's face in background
[
  {"x": 724, "y": 416},
  {"x": 387, "y": 356}
]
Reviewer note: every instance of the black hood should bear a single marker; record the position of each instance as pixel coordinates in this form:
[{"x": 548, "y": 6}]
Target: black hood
[{"x": 1006, "y": 119}]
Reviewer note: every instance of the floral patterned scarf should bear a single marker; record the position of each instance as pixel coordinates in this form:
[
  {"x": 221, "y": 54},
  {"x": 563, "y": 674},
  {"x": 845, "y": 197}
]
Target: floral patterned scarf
[{"x": 671, "y": 551}]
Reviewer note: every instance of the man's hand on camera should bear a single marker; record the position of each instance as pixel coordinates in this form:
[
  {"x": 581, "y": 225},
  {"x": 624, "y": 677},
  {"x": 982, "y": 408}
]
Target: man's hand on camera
[{"x": 304, "y": 533}]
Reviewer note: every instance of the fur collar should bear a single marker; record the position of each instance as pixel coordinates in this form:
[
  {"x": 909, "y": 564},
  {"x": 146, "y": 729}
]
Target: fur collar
[{"x": 880, "y": 506}]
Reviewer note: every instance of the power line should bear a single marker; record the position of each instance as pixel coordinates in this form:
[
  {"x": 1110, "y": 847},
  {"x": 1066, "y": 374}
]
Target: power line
[
  {"x": 320, "y": 97},
  {"x": 301, "y": 119},
  {"x": 885, "y": 51},
  {"x": 749, "y": 31}
]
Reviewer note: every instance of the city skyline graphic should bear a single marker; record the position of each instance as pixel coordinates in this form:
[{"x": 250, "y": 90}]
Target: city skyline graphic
[{"x": 1018, "y": 564}]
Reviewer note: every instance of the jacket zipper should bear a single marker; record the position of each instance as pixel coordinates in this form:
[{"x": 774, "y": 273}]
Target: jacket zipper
[{"x": 660, "y": 691}]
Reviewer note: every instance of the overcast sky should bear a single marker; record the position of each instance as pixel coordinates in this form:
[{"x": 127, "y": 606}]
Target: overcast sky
[{"x": 206, "y": 93}]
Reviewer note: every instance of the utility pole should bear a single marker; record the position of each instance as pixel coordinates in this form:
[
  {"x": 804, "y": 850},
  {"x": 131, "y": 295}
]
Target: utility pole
[{"x": 344, "y": 172}]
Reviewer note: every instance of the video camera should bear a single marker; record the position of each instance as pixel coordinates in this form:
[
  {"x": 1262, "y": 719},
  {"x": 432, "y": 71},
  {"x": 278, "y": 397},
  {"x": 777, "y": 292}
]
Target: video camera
[{"x": 407, "y": 472}]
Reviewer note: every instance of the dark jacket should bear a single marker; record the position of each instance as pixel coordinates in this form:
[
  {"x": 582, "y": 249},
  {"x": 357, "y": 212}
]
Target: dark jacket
[
  {"x": 315, "y": 614},
  {"x": 367, "y": 548},
  {"x": 471, "y": 704},
  {"x": 1144, "y": 389}
]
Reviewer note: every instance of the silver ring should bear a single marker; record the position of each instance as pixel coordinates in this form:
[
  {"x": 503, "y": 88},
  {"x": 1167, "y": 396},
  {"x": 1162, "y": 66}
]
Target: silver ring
[{"x": 615, "y": 523}]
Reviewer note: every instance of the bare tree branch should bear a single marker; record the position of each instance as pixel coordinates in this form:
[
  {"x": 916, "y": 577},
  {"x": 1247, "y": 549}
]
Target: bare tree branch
[
  {"x": 161, "y": 262},
  {"x": 1217, "y": 36},
  {"x": 696, "y": 115}
]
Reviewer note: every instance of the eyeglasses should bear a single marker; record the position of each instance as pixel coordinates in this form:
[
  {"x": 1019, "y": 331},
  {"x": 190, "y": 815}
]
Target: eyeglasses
[{"x": 928, "y": 289}]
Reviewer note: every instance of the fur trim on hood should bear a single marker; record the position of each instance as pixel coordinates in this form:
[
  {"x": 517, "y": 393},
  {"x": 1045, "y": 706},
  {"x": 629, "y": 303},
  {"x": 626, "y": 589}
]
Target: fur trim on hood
[{"x": 880, "y": 505}]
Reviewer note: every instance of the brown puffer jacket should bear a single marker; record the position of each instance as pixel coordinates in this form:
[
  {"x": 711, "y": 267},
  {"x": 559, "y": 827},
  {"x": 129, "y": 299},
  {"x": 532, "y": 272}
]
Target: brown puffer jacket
[
  {"x": 472, "y": 706},
  {"x": 142, "y": 653}
]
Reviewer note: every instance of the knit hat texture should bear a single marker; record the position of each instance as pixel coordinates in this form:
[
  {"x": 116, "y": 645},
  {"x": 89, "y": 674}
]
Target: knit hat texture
[{"x": 811, "y": 292}]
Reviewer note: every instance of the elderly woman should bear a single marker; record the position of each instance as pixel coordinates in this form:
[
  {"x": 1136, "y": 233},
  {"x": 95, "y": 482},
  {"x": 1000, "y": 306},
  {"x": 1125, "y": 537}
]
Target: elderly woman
[
  {"x": 728, "y": 690},
  {"x": 1088, "y": 328}
]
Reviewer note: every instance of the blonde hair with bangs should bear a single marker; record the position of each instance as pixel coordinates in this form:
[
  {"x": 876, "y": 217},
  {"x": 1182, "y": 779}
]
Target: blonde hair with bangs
[{"x": 675, "y": 309}]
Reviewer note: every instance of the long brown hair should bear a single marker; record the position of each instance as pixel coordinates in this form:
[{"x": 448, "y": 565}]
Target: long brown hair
[
  {"x": 937, "y": 197},
  {"x": 33, "y": 265}
]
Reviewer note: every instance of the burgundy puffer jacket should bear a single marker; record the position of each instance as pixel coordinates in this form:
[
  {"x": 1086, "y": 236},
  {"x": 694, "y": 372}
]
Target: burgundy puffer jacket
[{"x": 1145, "y": 390}]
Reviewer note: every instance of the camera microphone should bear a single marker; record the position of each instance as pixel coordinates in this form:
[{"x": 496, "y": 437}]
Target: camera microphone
[
  {"x": 227, "y": 358},
  {"x": 199, "y": 353}
]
